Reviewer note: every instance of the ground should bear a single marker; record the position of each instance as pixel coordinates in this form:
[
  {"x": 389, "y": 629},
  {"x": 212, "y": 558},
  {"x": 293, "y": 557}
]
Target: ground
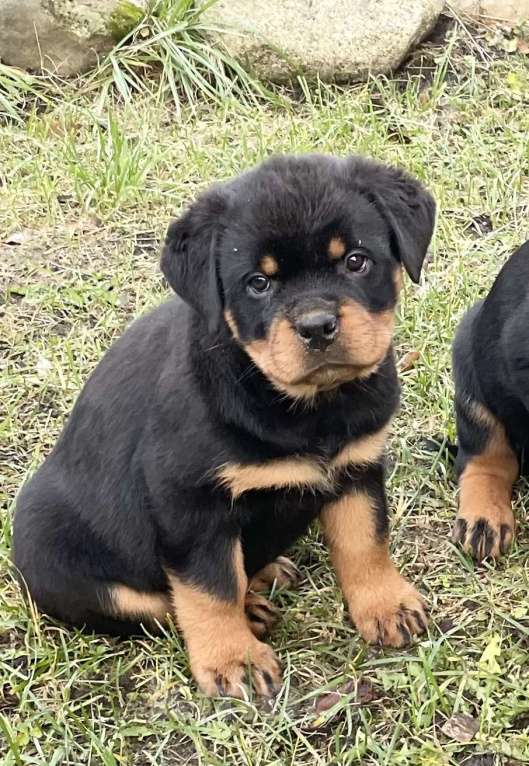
[{"x": 86, "y": 200}]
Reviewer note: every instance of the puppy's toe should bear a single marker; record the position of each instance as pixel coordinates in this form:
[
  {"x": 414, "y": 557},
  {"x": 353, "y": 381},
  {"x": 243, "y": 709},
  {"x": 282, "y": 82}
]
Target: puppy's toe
[
  {"x": 283, "y": 572},
  {"x": 261, "y": 613},
  {"x": 390, "y": 613},
  {"x": 485, "y": 536},
  {"x": 231, "y": 671}
]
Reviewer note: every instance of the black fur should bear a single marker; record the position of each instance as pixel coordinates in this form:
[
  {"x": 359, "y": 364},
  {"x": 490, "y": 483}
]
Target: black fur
[{"x": 130, "y": 489}]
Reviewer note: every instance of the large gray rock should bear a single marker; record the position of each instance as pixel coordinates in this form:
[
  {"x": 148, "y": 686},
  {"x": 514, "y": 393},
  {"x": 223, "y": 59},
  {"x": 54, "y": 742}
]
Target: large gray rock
[
  {"x": 61, "y": 36},
  {"x": 510, "y": 11},
  {"x": 338, "y": 40}
]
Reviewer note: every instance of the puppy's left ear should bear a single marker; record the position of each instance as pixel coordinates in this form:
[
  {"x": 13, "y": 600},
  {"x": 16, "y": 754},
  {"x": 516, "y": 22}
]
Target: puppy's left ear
[
  {"x": 409, "y": 210},
  {"x": 189, "y": 256}
]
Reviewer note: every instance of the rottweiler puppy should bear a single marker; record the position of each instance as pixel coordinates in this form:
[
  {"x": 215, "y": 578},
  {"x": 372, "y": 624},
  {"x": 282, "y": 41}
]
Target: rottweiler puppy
[
  {"x": 491, "y": 374},
  {"x": 221, "y": 424}
]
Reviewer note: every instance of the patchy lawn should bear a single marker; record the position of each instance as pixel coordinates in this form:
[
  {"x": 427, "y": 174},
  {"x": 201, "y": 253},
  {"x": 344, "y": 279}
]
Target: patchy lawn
[{"x": 85, "y": 200}]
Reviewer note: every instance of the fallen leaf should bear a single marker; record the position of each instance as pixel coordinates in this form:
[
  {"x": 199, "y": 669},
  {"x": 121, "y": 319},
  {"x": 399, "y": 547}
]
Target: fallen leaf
[
  {"x": 484, "y": 759},
  {"x": 509, "y": 45},
  {"x": 461, "y": 727},
  {"x": 479, "y": 225},
  {"x": 409, "y": 361},
  {"x": 366, "y": 692},
  {"x": 84, "y": 225},
  {"x": 327, "y": 701},
  {"x": 363, "y": 690},
  {"x": 523, "y": 46}
]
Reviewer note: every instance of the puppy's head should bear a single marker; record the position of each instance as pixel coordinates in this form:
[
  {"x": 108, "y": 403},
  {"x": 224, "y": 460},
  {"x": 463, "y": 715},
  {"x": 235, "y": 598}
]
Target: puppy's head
[{"x": 302, "y": 258}]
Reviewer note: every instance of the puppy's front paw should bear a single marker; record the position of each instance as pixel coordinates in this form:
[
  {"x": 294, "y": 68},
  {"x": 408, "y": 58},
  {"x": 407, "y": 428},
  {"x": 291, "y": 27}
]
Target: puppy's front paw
[
  {"x": 389, "y": 611},
  {"x": 223, "y": 670},
  {"x": 282, "y": 571},
  {"x": 262, "y": 615},
  {"x": 490, "y": 534}
]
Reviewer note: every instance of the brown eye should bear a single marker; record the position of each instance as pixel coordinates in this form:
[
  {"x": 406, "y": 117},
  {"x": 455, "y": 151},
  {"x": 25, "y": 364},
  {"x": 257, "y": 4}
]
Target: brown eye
[
  {"x": 259, "y": 284},
  {"x": 357, "y": 261}
]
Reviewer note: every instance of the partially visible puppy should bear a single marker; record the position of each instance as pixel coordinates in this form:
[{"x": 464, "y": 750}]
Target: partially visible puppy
[
  {"x": 219, "y": 426},
  {"x": 491, "y": 373}
]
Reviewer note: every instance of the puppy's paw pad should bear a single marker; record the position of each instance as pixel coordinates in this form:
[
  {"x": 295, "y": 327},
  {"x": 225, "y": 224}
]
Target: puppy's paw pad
[
  {"x": 238, "y": 667},
  {"x": 261, "y": 613},
  {"x": 485, "y": 537},
  {"x": 283, "y": 572},
  {"x": 390, "y": 615}
]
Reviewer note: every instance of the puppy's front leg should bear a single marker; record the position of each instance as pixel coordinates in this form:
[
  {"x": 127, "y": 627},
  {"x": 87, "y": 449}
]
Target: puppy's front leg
[
  {"x": 383, "y": 605},
  {"x": 209, "y": 607}
]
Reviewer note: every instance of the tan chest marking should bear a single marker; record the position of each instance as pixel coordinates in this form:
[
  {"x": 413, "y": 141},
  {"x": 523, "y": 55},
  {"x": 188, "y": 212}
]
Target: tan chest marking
[
  {"x": 362, "y": 451},
  {"x": 288, "y": 473},
  {"x": 300, "y": 472}
]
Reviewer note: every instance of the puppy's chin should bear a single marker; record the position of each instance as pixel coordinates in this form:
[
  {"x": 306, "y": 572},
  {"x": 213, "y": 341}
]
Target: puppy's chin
[{"x": 333, "y": 375}]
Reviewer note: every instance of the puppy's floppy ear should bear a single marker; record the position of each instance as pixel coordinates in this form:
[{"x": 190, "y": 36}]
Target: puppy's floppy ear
[
  {"x": 189, "y": 256},
  {"x": 408, "y": 208}
]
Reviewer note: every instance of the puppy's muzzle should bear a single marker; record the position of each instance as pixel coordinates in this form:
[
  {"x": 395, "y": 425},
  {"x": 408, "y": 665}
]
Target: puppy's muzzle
[{"x": 317, "y": 329}]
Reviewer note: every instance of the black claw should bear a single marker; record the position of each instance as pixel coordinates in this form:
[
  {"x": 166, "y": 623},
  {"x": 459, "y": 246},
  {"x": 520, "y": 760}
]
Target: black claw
[
  {"x": 219, "y": 683},
  {"x": 460, "y": 530},
  {"x": 419, "y": 619},
  {"x": 380, "y": 632},
  {"x": 404, "y": 631},
  {"x": 269, "y": 681},
  {"x": 482, "y": 539},
  {"x": 255, "y": 618},
  {"x": 505, "y": 529}
]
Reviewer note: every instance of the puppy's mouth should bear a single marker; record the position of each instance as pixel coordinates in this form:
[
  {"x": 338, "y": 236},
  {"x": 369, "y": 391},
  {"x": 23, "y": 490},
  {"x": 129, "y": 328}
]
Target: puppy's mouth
[{"x": 331, "y": 374}]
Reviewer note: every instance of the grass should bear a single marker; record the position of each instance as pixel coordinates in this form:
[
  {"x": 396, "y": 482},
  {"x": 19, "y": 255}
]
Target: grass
[
  {"x": 171, "y": 50},
  {"x": 88, "y": 196}
]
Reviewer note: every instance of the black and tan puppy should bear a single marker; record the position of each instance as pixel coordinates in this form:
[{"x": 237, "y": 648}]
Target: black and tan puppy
[
  {"x": 219, "y": 426},
  {"x": 491, "y": 372}
]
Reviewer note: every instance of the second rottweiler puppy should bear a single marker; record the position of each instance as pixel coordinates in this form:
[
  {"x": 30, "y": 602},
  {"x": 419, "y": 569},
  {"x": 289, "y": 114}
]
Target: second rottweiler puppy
[
  {"x": 491, "y": 373},
  {"x": 222, "y": 423}
]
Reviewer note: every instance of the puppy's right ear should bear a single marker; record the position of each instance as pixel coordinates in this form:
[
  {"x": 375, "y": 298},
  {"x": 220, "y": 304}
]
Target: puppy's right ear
[{"x": 189, "y": 256}]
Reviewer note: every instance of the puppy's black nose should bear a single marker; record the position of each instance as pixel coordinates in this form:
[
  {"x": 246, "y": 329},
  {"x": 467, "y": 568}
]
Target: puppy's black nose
[{"x": 317, "y": 329}]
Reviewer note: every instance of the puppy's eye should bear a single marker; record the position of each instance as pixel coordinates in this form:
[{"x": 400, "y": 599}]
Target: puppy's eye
[
  {"x": 357, "y": 261},
  {"x": 259, "y": 284}
]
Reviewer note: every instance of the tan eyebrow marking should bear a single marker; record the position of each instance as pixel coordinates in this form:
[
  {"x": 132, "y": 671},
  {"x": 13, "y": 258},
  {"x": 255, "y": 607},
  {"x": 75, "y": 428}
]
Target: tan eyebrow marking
[
  {"x": 336, "y": 248},
  {"x": 269, "y": 265}
]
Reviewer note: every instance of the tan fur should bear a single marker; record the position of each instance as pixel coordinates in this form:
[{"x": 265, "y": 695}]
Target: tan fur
[
  {"x": 384, "y": 606},
  {"x": 300, "y": 473},
  {"x": 220, "y": 643},
  {"x": 486, "y": 485},
  {"x": 269, "y": 266},
  {"x": 366, "y": 336},
  {"x": 365, "y": 450},
  {"x": 281, "y": 355},
  {"x": 130, "y": 603},
  {"x": 230, "y": 321},
  {"x": 336, "y": 248},
  {"x": 281, "y": 573}
]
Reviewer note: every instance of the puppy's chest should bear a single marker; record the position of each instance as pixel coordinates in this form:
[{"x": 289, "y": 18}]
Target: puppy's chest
[{"x": 311, "y": 472}]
